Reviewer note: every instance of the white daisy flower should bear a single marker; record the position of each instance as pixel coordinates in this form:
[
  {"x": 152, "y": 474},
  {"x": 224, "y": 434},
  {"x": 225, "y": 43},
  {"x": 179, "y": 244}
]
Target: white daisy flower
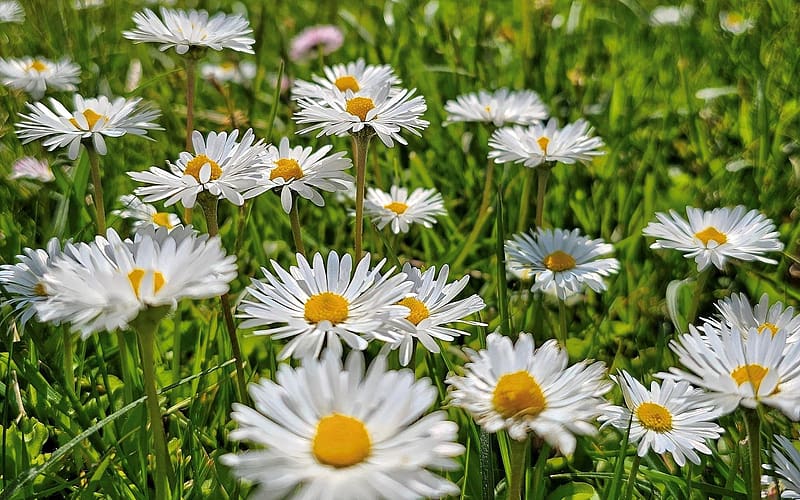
[
  {"x": 542, "y": 143},
  {"x": 35, "y": 75},
  {"x": 501, "y": 107},
  {"x": 318, "y": 302},
  {"x": 29, "y": 167},
  {"x": 186, "y": 29},
  {"x": 23, "y": 281},
  {"x": 303, "y": 172},
  {"x": 522, "y": 389},
  {"x": 670, "y": 15},
  {"x": 669, "y": 418},
  {"x": 220, "y": 165},
  {"x": 787, "y": 465},
  {"x": 11, "y": 12},
  {"x": 144, "y": 214},
  {"x": 336, "y": 432},
  {"x": 562, "y": 261},
  {"x": 376, "y": 110},
  {"x": 353, "y": 76},
  {"x": 737, "y": 312},
  {"x": 91, "y": 120},
  {"x": 229, "y": 71},
  {"x": 735, "y": 23},
  {"x": 715, "y": 236},
  {"x": 740, "y": 370},
  {"x": 106, "y": 284},
  {"x": 432, "y": 306},
  {"x": 400, "y": 209}
]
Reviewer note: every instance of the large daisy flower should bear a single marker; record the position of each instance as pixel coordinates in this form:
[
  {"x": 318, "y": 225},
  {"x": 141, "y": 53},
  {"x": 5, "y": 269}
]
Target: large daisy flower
[
  {"x": 375, "y": 110},
  {"x": 92, "y": 120},
  {"x": 787, "y": 465},
  {"x": 353, "y": 76},
  {"x": 144, "y": 214},
  {"x": 301, "y": 171},
  {"x": 193, "y": 28},
  {"x": 333, "y": 431},
  {"x": 11, "y": 12},
  {"x": 399, "y": 209},
  {"x": 23, "y": 281},
  {"x": 501, "y": 107},
  {"x": 543, "y": 143},
  {"x": 715, "y": 236},
  {"x": 562, "y": 261},
  {"x": 739, "y": 314},
  {"x": 104, "y": 285},
  {"x": 669, "y": 418},
  {"x": 35, "y": 75},
  {"x": 220, "y": 165},
  {"x": 316, "y": 302},
  {"x": 522, "y": 389}
]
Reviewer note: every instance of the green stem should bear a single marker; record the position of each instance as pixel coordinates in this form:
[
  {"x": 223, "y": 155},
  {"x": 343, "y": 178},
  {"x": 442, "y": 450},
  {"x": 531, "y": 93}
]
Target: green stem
[
  {"x": 483, "y": 215},
  {"x": 517, "y": 475},
  {"x": 562, "y": 324},
  {"x": 360, "y": 146},
  {"x": 632, "y": 477},
  {"x": 543, "y": 173},
  {"x": 124, "y": 363},
  {"x": 699, "y": 288},
  {"x": 69, "y": 372},
  {"x": 539, "y": 486},
  {"x": 754, "y": 447},
  {"x": 191, "y": 83},
  {"x": 502, "y": 284},
  {"x": 525, "y": 200},
  {"x": 99, "y": 205},
  {"x": 487, "y": 465},
  {"x": 297, "y": 235}
]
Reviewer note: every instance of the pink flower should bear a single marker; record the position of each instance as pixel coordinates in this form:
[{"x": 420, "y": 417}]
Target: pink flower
[
  {"x": 30, "y": 168},
  {"x": 308, "y": 42}
]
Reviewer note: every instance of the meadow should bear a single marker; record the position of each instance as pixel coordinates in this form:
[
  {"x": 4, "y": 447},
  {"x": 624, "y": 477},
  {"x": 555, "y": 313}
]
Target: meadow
[{"x": 691, "y": 115}]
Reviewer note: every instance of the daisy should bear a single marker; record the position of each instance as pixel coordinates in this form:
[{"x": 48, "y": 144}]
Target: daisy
[
  {"x": 400, "y": 209},
  {"x": 23, "y": 281},
  {"x": 220, "y": 165},
  {"x": 312, "y": 303},
  {"x": 144, "y": 214},
  {"x": 787, "y": 465},
  {"x": 740, "y": 370},
  {"x": 715, "y": 236},
  {"x": 734, "y": 23},
  {"x": 669, "y": 418},
  {"x": 228, "y": 71},
  {"x": 315, "y": 39},
  {"x": 333, "y": 431},
  {"x": 35, "y": 75},
  {"x": 104, "y": 285},
  {"x": 91, "y": 120},
  {"x": 499, "y": 108},
  {"x": 562, "y": 261},
  {"x": 29, "y": 167},
  {"x": 522, "y": 389},
  {"x": 669, "y": 15},
  {"x": 186, "y": 29},
  {"x": 11, "y": 12},
  {"x": 300, "y": 171},
  {"x": 739, "y": 315},
  {"x": 354, "y": 76},
  {"x": 542, "y": 143},
  {"x": 432, "y": 306}
]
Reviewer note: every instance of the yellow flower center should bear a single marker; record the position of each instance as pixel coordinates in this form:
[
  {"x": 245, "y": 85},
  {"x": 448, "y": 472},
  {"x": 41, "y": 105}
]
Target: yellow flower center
[
  {"x": 418, "y": 309},
  {"x": 397, "y": 207},
  {"x": 750, "y": 373},
  {"x": 654, "y": 417},
  {"x": 137, "y": 275},
  {"x": 40, "y": 290},
  {"x": 488, "y": 109},
  {"x": 518, "y": 394},
  {"x": 37, "y": 66},
  {"x": 91, "y": 119},
  {"x": 711, "y": 233},
  {"x": 196, "y": 163},
  {"x": 228, "y": 65},
  {"x": 347, "y": 82},
  {"x": 559, "y": 261},
  {"x": 162, "y": 219},
  {"x": 286, "y": 168},
  {"x": 543, "y": 143},
  {"x": 341, "y": 441},
  {"x": 360, "y": 106},
  {"x": 734, "y": 19},
  {"x": 326, "y": 306},
  {"x": 773, "y": 329}
]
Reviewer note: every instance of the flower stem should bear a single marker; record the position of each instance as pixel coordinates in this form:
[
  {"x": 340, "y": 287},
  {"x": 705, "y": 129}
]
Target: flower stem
[
  {"x": 562, "y": 324},
  {"x": 69, "y": 372},
  {"x": 486, "y": 465},
  {"x": 297, "y": 235},
  {"x": 525, "y": 200},
  {"x": 483, "y": 215},
  {"x": 500, "y": 255},
  {"x": 543, "y": 173},
  {"x": 191, "y": 83},
  {"x": 360, "y": 146},
  {"x": 99, "y": 205},
  {"x": 754, "y": 447},
  {"x": 517, "y": 475},
  {"x": 632, "y": 477}
]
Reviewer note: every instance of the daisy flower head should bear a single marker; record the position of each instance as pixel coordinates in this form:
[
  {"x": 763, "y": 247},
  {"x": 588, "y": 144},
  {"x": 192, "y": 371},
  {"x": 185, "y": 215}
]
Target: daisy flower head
[
  {"x": 671, "y": 15},
  {"x": 737, "y": 312},
  {"x": 562, "y": 261},
  {"x": 104, "y": 285},
  {"x": 354, "y": 76},
  {"x": 501, "y": 107},
  {"x": 399, "y": 209},
  {"x": 669, "y": 418},
  {"x": 184, "y": 29},
  {"x": 11, "y": 12},
  {"x": 220, "y": 166},
  {"x": 325, "y": 301},
  {"x": 23, "y": 280},
  {"x": 35, "y": 75},
  {"x": 90, "y": 122},
  {"x": 29, "y": 167},
  {"x": 713, "y": 237},
  {"x": 338, "y": 431},
  {"x": 522, "y": 389},
  {"x": 735, "y": 23},
  {"x": 545, "y": 143},
  {"x": 304, "y": 172},
  {"x": 314, "y": 40},
  {"x": 787, "y": 465},
  {"x": 229, "y": 71},
  {"x": 144, "y": 214}
]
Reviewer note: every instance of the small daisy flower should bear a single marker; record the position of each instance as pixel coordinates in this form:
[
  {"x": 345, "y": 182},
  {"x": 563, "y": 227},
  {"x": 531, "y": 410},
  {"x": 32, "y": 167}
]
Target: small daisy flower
[
  {"x": 229, "y": 71},
  {"x": 712, "y": 237},
  {"x": 11, "y": 12},
  {"x": 400, "y": 209},
  {"x": 35, "y": 75},
  {"x": 522, "y": 389},
  {"x": 220, "y": 165},
  {"x": 562, "y": 261},
  {"x": 735, "y": 23},
  {"x": 787, "y": 465},
  {"x": 737, "y": 312},
  {"x": 315, "y": 39},
  {"x": 23, "y": 281},
  {"x": 669, "y": 418},
  {"x": 104, "y": 285},
  {"x": 738, "y": 370},
  {"x": 301, "y": 171},
  {"x": 316, "y": 302},
  {"x": 91, "y": 121},
  {"x": 29, "y": 167},
  {"x": 501, "y": 107},
  {"x": 540, "y": 143},
  {"x": 144, "y": 214},
  {"x": 432, "y": 306},
  {"x": 354, "y": 76},
  {"x": 186, "y": 29},
  {"x": 669, "y": 15},
  {"x": 336, "y": 432}
]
